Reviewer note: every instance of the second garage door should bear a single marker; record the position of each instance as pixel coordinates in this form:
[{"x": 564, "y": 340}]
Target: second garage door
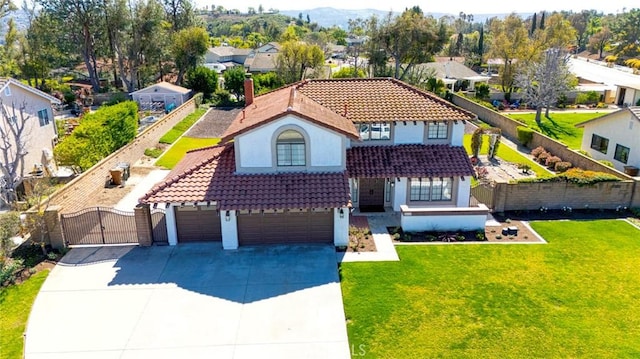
[
  {"x": 199, "y": 223},
  {"x": 285, "y": 228}
]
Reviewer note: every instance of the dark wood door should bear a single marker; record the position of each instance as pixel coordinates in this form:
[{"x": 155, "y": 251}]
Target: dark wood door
[{"x": 371, "y": 192}]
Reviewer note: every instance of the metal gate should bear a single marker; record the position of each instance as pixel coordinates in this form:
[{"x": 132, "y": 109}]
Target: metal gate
[
  {"x": 159, "y": 226},
  {"x": 99, "y": 225}
]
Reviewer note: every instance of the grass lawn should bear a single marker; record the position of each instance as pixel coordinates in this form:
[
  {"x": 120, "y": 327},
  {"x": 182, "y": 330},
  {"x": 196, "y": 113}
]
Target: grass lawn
[
  {"x": 561, "y": 126},
  {"x": 172, "y": 135},
  {"x": 575, "y": 297},
  {"x": 15, "y": 306},
  {"x": 170, "y": 158},
  {"x": 506, "y": 153}
]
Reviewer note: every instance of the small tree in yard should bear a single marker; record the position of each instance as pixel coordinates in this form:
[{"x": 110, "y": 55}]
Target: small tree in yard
[
  {"x": 202, "y": 79},
  {"x": 234, "y": 81},
  {"x": 14, "y": 135},
  {"x": 476, "y": 142},
  {"x": 36, "y": 223},
  {"x": 544, "y": 81}
]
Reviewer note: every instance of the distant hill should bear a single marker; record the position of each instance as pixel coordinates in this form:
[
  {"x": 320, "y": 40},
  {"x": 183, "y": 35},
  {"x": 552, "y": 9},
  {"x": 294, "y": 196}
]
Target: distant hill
[{"x": 328, "y": 16}]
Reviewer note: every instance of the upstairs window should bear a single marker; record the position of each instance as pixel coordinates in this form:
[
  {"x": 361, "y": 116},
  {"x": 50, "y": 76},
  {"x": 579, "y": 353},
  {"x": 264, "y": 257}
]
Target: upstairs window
[
  {"x": 437, "y": 131},
  {"x": 599, "y": 144},
  {"x": 622, "y": 153},
  {"x": 290, "y": 148},
  {"x": 43, "y": 116},
  {"x": 375, "y": 131}
]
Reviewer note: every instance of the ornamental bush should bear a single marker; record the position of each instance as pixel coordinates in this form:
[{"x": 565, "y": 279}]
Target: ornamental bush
[
  {"x": 562, "y": 166},
  {"x": 537, "y": 151},
  {"x": 575, "y": 175},
  {"x": 542, "y": 158},
  {"x": 551, "y": 161}
]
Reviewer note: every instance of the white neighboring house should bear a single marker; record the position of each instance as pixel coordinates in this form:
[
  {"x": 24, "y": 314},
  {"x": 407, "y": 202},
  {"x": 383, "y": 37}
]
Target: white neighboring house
[
  {"x": 163, "y": 95},
  {"x": 614, "y": 137},
  {"x": 628, "y": 94},
  {"x": 40, "y": 134},
  {"x": 451, "y": 71}
]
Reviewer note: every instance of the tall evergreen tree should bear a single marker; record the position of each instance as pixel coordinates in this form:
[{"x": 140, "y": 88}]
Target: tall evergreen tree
[
  {"x": 542, "y": 21},
  {"x": 481, "y": 42},
  {"x": 534, "y": 23}
]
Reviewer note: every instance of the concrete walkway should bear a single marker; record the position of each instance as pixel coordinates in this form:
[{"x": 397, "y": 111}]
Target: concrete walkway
[
  {"x": 142, "y": 186},
  {"x": 190, "y": 301}
]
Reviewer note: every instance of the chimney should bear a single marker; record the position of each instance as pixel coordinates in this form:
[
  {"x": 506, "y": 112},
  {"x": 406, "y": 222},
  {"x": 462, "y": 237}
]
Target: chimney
[{"x": 248, "y": 90}]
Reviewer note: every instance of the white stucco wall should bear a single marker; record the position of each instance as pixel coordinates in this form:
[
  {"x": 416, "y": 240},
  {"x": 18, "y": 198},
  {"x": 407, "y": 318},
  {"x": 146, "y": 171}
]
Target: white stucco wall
[
  {"x": 464, "y": 192},
  {"x": 620, "y": 128},
  {"x": 409, "y": 133},
  {"x": 457, "y": 133},
  {"x": 443, "y": 223},
  {"x": 37, "y": 137},
  {"x": 172, "y": 230},
  {"x": 341, "y": 227},
  {"x": 325, "y": 147},
  {"x": 400, "y": 193},
  {"x": 229, "y": 230}
]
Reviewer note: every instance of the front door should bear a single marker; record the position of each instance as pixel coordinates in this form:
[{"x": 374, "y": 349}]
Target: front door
[{"x": 371, "y": 195}]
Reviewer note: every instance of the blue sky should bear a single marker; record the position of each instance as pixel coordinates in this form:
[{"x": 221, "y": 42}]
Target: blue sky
[{"x": 454, "y": 7}]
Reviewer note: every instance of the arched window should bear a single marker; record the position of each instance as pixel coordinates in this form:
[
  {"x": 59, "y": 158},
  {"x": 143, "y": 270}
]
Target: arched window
[{"x": 290, "y": 149}]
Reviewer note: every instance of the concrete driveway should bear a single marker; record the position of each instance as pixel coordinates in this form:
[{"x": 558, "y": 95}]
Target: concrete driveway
[{"x": 191, "y": 301}]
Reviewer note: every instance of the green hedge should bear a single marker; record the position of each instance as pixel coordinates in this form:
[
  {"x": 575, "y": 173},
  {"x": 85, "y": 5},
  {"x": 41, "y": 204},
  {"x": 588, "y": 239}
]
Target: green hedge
[
  {"x": 525, "y": 135},
  {"x": 575, "y": 175},
  {"x": 99, "y": 134}
]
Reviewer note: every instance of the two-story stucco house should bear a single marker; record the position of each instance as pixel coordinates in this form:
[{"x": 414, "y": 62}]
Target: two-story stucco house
[
  {"x": 297, "y": 160},
  {"x": 40, "y": 132},
  {"x": 614, "y": 137}
]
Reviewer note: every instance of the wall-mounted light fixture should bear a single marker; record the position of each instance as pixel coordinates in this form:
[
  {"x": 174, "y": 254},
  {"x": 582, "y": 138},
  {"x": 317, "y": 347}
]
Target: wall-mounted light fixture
[
  {"x": 341, "y": 213},
  {"x": 227, "y": 216}
]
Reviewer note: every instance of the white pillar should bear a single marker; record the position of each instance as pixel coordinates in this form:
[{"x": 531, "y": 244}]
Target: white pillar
[
  {"x": 464, "y": 191},
  {"x": 172, "y": 230},
  {"x": 341, "y": 226},
  {"x": 229, "y": 229},
  {"x": 457, "y": 134},
  {"x": 400, "y": 193}
]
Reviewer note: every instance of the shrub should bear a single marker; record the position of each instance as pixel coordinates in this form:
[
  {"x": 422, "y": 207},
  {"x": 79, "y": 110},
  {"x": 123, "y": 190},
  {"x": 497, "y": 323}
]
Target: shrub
[
  {"x": 606, "y": 163},
  {"x": 115, "y": 99},
  {"x": 537, "y": 151},
  {"x": 542, "y": 158},
  {"x": 202, "y": 79},
  {"x": 525, "y": 134},
  {"x": 562, "y": 166},
  {"x": 476, "y": 141},
  {"x": 482, "y": 90},
  {"x": 222, "y": 98},
  {"x": 589, "y": 97},
  {"x": 551, "y": 161},
  {"x": 584, "y": 153},
  {"x": 153, "y": 152},
  {"x": 9, "y": 267},
  {"x": 197, "y": 98},
  {"x": 604, "y": 105}
]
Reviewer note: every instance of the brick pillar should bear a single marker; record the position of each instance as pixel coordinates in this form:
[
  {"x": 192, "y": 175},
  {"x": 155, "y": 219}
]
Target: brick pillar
[
  {"x": 52, "y": 226},
  {"x": 142, "y": 214}
]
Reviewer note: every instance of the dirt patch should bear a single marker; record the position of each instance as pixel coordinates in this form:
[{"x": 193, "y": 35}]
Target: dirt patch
[
  {"x": 213, "y": 123},
  {"x": 111, "y": 195},
  {"x": 360, "y": 237}
]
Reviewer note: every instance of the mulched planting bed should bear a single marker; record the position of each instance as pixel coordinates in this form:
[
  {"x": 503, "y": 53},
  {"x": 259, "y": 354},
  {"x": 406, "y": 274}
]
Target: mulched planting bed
[
  {"x": 360, "y": 237},
  {"x": 521, "y": 234}
]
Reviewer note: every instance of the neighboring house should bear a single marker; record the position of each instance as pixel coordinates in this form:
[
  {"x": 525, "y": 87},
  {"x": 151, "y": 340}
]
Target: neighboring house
[
  {"x": 628, "y": 94},
  {"x": 40, "y": 134},
  {"x": 263, "y": 59},
  {"x": 228, "y": 56},
  {"x": 161, "y": 96},
  {"x": 614, "y": 137},
  {"x": 296, "y": 161},
  {"x": 452, "y": 72}
]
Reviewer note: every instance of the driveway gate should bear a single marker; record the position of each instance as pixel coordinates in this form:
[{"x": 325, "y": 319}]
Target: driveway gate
[{"x": 99, "y": 225}]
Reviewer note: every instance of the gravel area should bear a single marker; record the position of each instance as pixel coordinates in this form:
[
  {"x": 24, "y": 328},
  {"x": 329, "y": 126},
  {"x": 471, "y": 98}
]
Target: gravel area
[{"x": 213, "y": 123}]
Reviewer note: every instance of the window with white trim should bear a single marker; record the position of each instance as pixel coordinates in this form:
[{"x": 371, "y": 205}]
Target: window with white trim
[
  {"x": 425, "y": 189},
  {"x": 290, "y": 149},
  {"x": 599, "y": 143},
  {"x": 43, "y": 116},
  {"x": 437, "y": 130}
]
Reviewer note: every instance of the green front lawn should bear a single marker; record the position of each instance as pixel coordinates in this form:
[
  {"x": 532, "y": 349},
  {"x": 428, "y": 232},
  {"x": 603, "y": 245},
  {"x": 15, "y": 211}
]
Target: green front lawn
[
  {"x": 506, "y": 153},
  {"x": 15, "y": 306},
  {"x": 561, "y": 126},
  {"x": 575, "y": 297},
  {"x": 170, "y": 158},
  {"x": 181, "y": 127}
]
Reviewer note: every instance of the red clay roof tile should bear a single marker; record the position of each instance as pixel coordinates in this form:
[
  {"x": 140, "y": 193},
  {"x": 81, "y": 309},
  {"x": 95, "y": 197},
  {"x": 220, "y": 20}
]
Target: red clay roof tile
[
  {"x": 408, "y": 161},
  {"x": 208, "y": 175}
]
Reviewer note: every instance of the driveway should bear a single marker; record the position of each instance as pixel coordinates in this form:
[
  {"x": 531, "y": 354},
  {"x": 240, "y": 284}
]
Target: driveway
[{"x": 191, "y": 301}]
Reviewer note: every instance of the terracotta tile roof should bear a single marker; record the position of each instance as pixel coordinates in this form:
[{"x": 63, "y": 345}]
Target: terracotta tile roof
[
  {"x": 408, "y": 161},
  {"x": 381, "y": 99},
  {"x": 279, "y": 103},
  {"x": 209, "y": 175}
]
